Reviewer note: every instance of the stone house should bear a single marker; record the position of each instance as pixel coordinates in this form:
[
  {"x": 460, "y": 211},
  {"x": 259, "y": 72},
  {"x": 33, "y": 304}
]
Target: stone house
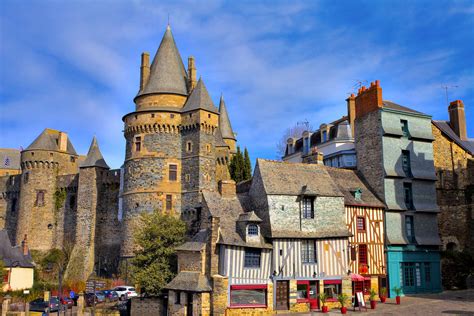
[
  {"x": 453, "y": 154},
  {"x": 395, "y": 157},
  {"x": 18, "y": 264}
]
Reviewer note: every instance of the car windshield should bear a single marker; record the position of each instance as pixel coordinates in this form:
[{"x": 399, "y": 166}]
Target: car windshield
[
  {"x": 132, "y": 289},
  {"x": 120, "y": 289}
]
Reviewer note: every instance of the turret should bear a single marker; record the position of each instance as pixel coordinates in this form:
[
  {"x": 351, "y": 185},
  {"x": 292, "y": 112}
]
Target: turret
[{"x": 226, "y": 128}]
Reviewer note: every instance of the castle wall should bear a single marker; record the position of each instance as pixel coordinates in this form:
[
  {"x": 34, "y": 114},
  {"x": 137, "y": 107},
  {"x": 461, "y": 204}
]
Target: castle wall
[{"x": 9, "y": 204}]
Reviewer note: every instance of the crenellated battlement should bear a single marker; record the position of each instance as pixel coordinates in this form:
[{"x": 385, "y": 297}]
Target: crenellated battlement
[{"x": 41, "y": 164}]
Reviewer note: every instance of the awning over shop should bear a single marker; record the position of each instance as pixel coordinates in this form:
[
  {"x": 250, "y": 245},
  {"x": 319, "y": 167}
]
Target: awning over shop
[{"x": 357, "y": 277}]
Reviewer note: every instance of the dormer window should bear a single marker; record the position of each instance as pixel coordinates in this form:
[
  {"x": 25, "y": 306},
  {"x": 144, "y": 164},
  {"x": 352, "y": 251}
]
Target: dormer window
[
  {"x": 252, "y": 230},
  {"x": 358, "y": 195},
  {"x": 325, "y": 136}
]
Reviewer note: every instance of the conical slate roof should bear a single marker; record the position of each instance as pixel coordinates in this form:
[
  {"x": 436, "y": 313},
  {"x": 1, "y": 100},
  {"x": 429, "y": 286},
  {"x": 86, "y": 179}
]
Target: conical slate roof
[
  {"x": 224, "y": 121},
  {"x": 200, "y": 99},
  {"x": 167, "y": 72},
  {"x": 94, "y": 157},
  {"x": 219, "y": 140},
  {"x": 48, "y": 140}
]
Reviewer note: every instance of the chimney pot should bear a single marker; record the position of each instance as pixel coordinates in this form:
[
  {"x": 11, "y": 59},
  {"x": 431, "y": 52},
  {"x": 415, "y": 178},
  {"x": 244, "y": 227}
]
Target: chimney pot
[
  {"x": 62, "y": 141},
  {"x": 457, "y": 118},
  {"x": 24, "y": 246}
]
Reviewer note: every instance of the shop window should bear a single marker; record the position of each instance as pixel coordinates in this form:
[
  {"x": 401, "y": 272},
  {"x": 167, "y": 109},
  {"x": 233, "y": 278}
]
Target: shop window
[
  {"x": 361, "y": 224},
  {"x": 39, "y": 198},
  {"x": 332, "y": 288},
  {"x": 138, "y": 143},
  {"x": 252, "y": 258},
  {"x": 362, "y": 286},
  {"x": 254, "y": 295},
  {"x": 169, "y": 202},
  {"x": 362, "y": 254},
  {"x": 173, "y": 172},
  {"x": 301, "y": 291},
  {"x": 252, "y": 229},
  {"x": 308, "y": 251},
  {"x": 308, "y": 208}
]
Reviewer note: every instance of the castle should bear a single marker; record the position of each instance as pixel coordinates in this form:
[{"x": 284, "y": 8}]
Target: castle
[{"x": 177, "y": 144}]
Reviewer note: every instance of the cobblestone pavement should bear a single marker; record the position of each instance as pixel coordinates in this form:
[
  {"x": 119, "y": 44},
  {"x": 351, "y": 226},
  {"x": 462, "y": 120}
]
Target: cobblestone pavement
[{"x": 446, "y": 303}]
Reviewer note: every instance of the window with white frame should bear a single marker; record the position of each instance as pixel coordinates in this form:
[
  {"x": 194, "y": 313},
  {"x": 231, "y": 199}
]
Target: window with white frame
[{"x": 308, "y": 251}]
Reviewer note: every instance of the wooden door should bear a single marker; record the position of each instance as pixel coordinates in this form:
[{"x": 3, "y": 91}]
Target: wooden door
[
  {"x": 189, "y": 311},
  {"x": 282, "y": 295}
]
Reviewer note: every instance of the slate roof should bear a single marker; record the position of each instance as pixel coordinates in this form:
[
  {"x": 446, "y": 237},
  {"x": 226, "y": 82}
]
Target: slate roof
[
  {"x": 288, "y": 178},
  {"x": 192, "y": 246},
  {"x": 398, "y": 107},
  {"x": 10, "y": 158},
  {"x": 189, "y": 281},
  {"x": 48, "y": 140},
  {"x": 13, "y": 256},
  {"x": 249, "y": 217},
  {"x": 228, "y": 210},
  {"x": 348, "y": 182},
  {"x": 445, "y": 128},
  {"x": 94, "y": 157},
  {"x": 200, "y": 99},
  {"x": 224, "y": 121},
  {"x": 219, "y": 140},
  {"x": 167, "y": 72}
]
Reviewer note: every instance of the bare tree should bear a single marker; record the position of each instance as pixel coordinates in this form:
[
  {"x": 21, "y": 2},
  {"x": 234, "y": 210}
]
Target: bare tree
[{"x": 295, "y": 131}]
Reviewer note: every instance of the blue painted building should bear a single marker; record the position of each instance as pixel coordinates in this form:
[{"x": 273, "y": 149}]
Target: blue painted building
[{"x": 395, "y": 156}]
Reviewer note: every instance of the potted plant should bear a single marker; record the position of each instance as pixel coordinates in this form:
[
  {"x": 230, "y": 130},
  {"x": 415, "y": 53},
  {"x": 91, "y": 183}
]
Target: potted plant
[
  {"x": 397, "y": 291},
  {"x": 343, "y": 298},
  {"x": 323, "y": 297},
  {"x": 372, "y": 295},
  {"x": 383, "y": 294}
]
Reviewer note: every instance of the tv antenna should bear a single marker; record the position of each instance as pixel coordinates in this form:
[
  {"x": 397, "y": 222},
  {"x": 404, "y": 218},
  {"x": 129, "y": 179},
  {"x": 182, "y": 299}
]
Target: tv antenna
[
  {"x": 359, "y": 83},
  {"x": 446, "y": 90},
  {"x": 304, "y": 123}
]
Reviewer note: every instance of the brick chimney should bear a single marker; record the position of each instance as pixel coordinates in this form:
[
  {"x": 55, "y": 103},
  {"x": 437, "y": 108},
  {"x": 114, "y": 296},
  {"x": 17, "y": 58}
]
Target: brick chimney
[
  {"x": 227, "y": 188},
  {"x": 191, "y": 73},
  {"x": 24, "y": 246},
  {"x": 314, "y": 157},
  {"x": 351, "y": 111},
  {"x": 144, "y": 70},
  {"x": 62, "y": 141},
  {"x": 368, "y": 99},
  {"x": 457, "y": 119}
]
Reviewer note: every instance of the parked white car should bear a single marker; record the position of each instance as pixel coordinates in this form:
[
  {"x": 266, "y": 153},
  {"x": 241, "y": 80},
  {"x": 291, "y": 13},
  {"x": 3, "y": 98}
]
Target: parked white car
[{"x": 125, "y": 291}]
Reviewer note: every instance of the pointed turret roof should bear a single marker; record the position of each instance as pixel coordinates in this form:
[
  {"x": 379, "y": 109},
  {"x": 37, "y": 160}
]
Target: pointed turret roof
[
  {"x": 219, "y": 140},
  {"x": 167, "y": 72},
  {"x": 200, "y": 99},
  {"x": 94, "y": 157},
  {"x": 49, "y": 140},
  {"x": 224, "y": 121}
]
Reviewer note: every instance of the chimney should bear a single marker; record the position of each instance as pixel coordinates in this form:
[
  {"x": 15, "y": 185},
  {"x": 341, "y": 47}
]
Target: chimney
[
  {"x": 227, "y": 188},
  {"x": 62, "y": 141},
  {"x": 315, "y": 157},
  {"x": 368, "y": 99},
  {"x": 351, "y": 111},
  {"x": 144, "y": 70},
  {"x": 24, "y": 246},
  {"x": 191, "y": 73},
  {"x": 457, "y": 119}
]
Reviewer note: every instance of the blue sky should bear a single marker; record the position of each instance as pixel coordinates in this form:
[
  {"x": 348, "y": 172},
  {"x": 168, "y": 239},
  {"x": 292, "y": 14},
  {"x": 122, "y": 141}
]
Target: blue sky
[{"x": 74, "y": 65}]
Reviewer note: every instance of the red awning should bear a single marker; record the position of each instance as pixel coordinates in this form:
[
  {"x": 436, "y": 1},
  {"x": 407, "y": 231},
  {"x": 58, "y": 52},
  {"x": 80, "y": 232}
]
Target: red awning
[{"x": 357, "y": 277}]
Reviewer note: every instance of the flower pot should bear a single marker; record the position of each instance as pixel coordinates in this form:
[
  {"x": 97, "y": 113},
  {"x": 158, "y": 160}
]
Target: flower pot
[
  {"x": 324, "y": 309},
  {"x": 373, "y": 304},
  {"x": 343, "y": 310},
  {"x": 383, "y": 299},
  {"x": 397, "y": 298}
]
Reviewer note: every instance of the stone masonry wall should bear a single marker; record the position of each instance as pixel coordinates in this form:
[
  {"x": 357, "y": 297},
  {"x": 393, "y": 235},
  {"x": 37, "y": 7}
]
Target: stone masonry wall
[
  {"x": 9, "y": 204},
  {"x": 455, "y": 192},
  {"x": 368, "y": 144}
]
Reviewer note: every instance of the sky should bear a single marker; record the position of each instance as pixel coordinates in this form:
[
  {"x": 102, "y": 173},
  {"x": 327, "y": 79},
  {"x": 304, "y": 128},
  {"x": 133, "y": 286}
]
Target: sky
[{"x": 74, "y": 65}]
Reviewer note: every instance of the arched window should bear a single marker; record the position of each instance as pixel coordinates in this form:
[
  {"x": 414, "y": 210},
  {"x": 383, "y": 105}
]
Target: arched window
[{"x": 252, "y": 229}]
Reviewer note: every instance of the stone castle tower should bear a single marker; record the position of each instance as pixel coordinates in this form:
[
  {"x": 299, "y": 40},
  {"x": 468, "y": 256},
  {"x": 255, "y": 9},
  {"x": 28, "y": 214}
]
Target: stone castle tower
[{"x": 177, "y": 141}]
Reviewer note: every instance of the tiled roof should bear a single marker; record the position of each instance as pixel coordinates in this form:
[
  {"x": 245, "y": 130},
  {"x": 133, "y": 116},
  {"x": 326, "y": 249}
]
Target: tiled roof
[
  {"x": 13, "y": 256},
  {"x": 190, "y": 281},
  {"x": 200, "y": 99},
  {"x": 228, "y": 210},
  {"x": 445, "y": 128},
  {"x": 224, "y": 121},
  {"x": 348, "y": 182},
  {"x": 94, "y": 157},
  {"x": 167, "y": 72},
  {"x": 48, "y": 140},
  {"x": 10, "y": 158},
  {"x": 285, "y": 178}
]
